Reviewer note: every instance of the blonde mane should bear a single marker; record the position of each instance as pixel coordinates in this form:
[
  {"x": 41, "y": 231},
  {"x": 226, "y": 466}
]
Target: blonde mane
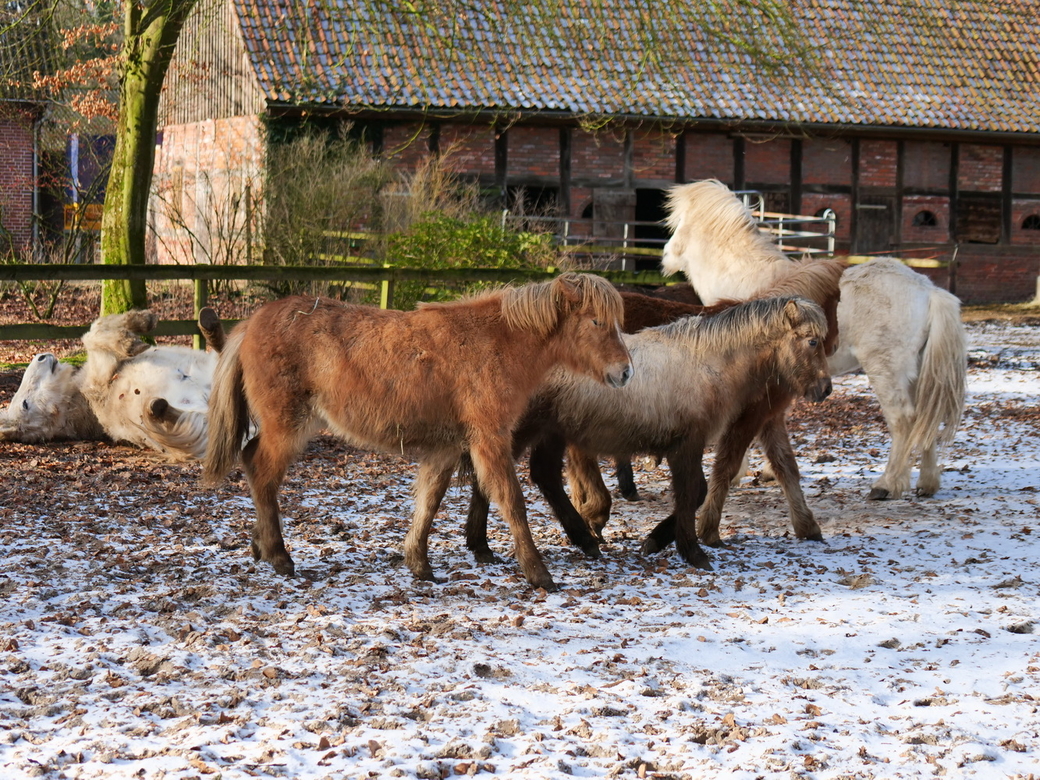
[
  {"x": 537, "y": 307},
  {"x": 752, "y": 322},
  {"x": 706, "y": 212}
]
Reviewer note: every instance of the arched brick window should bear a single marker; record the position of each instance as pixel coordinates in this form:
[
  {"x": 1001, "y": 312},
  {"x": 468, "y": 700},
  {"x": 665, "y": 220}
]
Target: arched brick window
[
  {"x": 1032, "y": 222},
  {"x": 925, "y": 218}
]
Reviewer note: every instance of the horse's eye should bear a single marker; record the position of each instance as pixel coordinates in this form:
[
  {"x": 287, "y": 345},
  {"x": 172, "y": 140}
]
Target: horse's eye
[
  {"x": 813, "y": 342},
  {"x": 25, "y": 405},
  {"x": 596, "y": 323}
]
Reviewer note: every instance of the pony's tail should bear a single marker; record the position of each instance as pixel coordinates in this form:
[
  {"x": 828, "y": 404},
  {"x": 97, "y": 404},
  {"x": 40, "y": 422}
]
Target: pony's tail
[
  {"x": 943, "y": 376},
  {"x": 228, "y": 413},
  {"x": 184, "y": 439}
]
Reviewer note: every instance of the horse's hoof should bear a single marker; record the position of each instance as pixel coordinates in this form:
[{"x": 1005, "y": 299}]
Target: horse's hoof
[
  {"x": 702, "y": 562},
  {"x": 630, "y": 495},
  {"x": 592, "y": 551},
  {"x": 284, "y": 567},
  {"x": 650, "y": 546},
  {"x": 878, "y": 494},
  {"x": 208, "y": 319},
  {"x": 543, "y": 581},
  {"x": 921, "y": 492},
  {"x": 485, "y": 556},
  {"x": 816, "y": 537},
  {"x": 158, "y": 407}
]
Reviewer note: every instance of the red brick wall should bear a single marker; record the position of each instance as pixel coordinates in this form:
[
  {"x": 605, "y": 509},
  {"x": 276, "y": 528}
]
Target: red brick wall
[
  {"x": 709, "y": 156},
  {"x": 826, "y": 161},
  {"x": 980, "y": 168},
  {"x": 878, "y": 163},
  {"x": 1025, "y": 170},
  {"x": 16, "y": 180},
  {"x": 767, "y": 162},
  {"x": 939, "y": 206},
  {"x": 202, "y": 173},
  {"x": 597, "y": 157},
  {"x": 471, "y": 149},
  {"x": 992, "y": 275},
  {"x": 407, "y": 144},
  {"x": 926, "y": 165},
  {"x": 534, "y": 151},
  {"x": 653, "y": 156}
]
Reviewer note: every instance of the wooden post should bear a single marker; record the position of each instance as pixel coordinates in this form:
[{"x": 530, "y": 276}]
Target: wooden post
[
  {"x": 201, "y": 296},
  {"x": 386, "y": 293}
]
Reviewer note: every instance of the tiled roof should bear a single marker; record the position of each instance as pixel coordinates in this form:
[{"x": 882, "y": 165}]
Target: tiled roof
[{"x": 960, "y": 64}]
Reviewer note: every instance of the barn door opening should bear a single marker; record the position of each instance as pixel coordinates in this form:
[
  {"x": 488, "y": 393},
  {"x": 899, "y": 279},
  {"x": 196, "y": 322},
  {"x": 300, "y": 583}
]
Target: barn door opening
[{"x": 875, "y": 226}]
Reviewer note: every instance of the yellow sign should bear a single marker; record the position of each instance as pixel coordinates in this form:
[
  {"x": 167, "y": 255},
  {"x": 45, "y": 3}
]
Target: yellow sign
[{"x": 83, "y": 218}]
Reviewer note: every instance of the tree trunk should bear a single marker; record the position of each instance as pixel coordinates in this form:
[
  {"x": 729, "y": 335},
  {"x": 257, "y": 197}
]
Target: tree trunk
[{"x": 150, "y": 38}]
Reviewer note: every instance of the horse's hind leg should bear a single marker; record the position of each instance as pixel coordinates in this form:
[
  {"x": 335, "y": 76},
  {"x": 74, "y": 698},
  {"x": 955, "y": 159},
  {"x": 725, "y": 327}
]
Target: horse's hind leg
[
  {"x": 265, "y": 460},
  {"x": 928, "y": 481},
  {"x": 430, "y": 486},
  {"x": 476, "y": 526},
  {"x": 777, "y": 445},
  {"x": 212, "y": 329},
  {"x": 896, "y": 479},
  {"x": 547, "y": 474}
]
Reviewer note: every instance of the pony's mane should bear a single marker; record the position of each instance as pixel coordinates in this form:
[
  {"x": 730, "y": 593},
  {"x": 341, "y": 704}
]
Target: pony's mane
[
  {"x": 810, "y": 278},
  {"x": 745, "y": 324},
  {"x": 538, "y": 306},
  {"x": 712, "y": 209}
]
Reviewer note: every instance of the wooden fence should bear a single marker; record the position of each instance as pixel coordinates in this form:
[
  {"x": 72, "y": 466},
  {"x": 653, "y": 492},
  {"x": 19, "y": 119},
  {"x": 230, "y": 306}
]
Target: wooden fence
[{"x": 201, "y": 275}]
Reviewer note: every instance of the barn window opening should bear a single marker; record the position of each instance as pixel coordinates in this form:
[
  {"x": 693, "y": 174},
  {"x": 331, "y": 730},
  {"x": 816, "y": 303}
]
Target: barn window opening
[
  {"x": 1032, "y": 222},
  {"x": 925, "y": 219}
]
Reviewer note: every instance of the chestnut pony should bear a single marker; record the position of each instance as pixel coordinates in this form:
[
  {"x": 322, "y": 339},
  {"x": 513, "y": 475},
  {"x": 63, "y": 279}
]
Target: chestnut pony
[{"x": 440, "y": 382}]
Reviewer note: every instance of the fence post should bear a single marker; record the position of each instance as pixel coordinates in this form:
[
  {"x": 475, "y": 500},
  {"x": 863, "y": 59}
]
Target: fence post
[
  {"x": 386, "y": 292},
  {"x": 201, "y": 299}
]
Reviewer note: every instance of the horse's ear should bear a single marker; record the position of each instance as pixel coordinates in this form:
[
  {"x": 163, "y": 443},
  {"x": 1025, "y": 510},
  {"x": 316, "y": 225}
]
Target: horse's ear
[
  {"x": 568, "y": 286},
  {"x": 793, "y": 313}
]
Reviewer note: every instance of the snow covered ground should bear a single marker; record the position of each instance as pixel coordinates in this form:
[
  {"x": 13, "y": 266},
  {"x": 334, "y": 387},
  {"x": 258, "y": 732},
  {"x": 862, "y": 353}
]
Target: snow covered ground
[{"x": 138, "y": 639}]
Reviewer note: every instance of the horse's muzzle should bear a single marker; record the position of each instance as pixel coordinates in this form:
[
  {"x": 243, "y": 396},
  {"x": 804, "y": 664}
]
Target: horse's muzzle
[
  {"x": 820, "y": 390},
  {"x": 620, "y": 378}
]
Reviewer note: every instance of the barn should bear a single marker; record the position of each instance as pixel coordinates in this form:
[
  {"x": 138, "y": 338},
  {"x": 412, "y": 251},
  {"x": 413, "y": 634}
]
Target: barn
[{"x": 918, "y": 125}]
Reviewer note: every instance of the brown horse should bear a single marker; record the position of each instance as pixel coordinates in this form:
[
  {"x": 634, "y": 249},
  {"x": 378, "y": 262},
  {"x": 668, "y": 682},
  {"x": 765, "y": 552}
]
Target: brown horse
[
  {"x": 440, "y": 382},
  {"x": 701, "y": 379}
]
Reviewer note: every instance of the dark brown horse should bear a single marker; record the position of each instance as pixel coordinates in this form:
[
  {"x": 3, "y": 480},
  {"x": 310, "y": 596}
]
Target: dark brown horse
[
  {"x": 720, "y": 379},
  {"x": 440, "y": 382}
]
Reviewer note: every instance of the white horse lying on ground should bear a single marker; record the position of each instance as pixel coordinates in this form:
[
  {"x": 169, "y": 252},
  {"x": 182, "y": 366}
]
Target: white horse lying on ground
[
  {"x": 127, "y": 391},
  {"x": 901, "y": 329}
]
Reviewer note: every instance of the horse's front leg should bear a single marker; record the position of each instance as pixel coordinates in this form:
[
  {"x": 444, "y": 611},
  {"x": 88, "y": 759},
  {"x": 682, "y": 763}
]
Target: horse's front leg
[
  {"x": 777, "y": 445},
  {"x": 496, "y": 472},
  {"x": 547, "y": 474},
  {"x": 435, "y": 474},
  {"x": 589, "y": 494},
  {"x": 689, "y": 487},
  {"x": 730, "y": 455},
  {"x": 626, "y": 479}
]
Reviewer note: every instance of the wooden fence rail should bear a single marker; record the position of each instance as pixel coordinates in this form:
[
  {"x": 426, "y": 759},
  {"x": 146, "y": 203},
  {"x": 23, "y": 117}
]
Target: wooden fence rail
[{"x": 385, "y": 278}]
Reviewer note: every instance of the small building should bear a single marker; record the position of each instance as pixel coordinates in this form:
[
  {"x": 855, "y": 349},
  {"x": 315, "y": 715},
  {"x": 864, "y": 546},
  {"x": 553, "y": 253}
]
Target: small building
[{"x": 917, "y": 124}]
